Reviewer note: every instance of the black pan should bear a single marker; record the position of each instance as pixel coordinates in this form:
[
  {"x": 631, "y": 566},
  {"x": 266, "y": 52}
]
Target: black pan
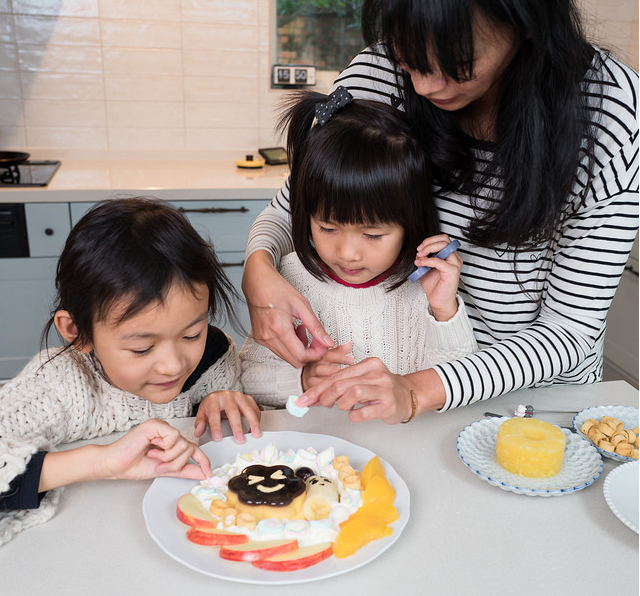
[{"x": 12, "y": 158}]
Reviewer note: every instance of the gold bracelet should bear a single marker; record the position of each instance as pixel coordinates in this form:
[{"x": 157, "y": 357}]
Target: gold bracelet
[{"x": 414, "y": 407}]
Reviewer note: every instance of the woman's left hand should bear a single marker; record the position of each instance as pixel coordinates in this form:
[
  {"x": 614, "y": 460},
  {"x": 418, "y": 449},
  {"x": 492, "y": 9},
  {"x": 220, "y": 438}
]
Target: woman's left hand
[
  {"x": 235, "y": 406},
  {"x": 366, "y": 390}
]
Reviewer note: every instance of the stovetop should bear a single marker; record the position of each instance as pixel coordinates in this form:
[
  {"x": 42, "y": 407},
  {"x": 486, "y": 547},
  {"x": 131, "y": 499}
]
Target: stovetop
[{"x": 29, "y": 173}]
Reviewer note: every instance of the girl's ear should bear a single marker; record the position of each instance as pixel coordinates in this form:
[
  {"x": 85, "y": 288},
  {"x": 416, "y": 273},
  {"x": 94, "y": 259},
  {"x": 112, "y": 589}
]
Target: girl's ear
[{"x": 69, "y": 330}]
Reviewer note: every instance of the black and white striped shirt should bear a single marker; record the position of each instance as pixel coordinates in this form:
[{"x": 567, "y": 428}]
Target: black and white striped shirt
[{"x": 546, "y": 323}]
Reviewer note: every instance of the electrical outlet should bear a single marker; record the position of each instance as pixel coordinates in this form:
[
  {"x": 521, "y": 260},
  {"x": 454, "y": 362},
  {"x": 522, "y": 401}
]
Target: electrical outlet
[{"x": 293, "y": 75}]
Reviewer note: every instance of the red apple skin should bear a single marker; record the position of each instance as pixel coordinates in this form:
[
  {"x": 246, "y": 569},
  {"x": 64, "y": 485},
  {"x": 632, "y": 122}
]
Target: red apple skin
[
  {"x": 215, "y": 537},
  {"x": 254, "y": 551},
  {"x": 300, "y": 559},
  {"x": 190, "y": 511}
]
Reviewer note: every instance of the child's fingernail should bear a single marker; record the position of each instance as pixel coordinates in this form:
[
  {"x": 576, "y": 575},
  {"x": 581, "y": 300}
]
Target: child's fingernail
[
  {"x": 239, "y": 437},
  {"x": 217, "y": 435}
]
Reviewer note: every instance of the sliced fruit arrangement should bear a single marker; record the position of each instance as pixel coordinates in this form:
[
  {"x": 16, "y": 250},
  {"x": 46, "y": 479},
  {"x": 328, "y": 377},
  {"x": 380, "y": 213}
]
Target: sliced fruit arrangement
[{"x": 370, "y": 522}]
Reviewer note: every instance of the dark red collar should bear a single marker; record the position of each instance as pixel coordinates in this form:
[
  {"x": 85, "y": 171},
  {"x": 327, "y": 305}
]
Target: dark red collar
[{"x": 367, "y": 284}]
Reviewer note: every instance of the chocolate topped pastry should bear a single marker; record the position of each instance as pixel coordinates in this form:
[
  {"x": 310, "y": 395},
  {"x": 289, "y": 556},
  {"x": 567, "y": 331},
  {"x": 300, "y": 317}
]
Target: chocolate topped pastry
[{"x": 276, "y": 486}]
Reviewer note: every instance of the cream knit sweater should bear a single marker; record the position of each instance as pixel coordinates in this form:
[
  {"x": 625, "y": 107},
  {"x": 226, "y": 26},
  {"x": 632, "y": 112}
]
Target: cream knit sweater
[
  {"x": 68, "y": 399},
  {"x": 395, "y": 326}
]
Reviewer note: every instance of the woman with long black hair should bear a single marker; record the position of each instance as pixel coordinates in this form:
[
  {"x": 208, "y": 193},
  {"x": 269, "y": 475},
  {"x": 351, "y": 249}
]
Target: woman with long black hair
[{"x": 532, "y": 136}]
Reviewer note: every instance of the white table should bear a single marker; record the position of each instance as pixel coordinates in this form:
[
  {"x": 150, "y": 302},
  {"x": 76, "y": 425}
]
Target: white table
[{"x": 463, "y": 536}]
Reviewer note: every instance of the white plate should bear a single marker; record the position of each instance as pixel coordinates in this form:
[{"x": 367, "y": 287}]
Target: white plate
[
  {"x": 626, "y": 414},
  {"x": 477, "y": 448},
  {"x": 159, "y": 509},
  {"x": 621, "y": 493}
]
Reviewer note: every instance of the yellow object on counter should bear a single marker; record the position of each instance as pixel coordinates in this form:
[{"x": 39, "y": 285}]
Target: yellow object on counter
[{"x": 530, "y": 447}]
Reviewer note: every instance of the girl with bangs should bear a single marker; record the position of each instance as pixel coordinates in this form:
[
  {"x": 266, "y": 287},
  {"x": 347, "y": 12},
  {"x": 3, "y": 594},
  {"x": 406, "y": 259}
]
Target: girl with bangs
[
  {"x": 531, "y": 137},
  {"x": 360, "y": 205}
]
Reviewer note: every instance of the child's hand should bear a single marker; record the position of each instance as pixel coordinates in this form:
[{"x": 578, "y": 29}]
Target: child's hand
[
  {"x": 332, "y": 361},
  {"x": 151, "y": 449},
  {"x": 235, "y": 405},
  {"x": 441, "y": 283}
]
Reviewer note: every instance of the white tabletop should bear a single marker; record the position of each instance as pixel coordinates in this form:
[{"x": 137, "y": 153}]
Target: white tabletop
[{"x": 463, "y": 535}]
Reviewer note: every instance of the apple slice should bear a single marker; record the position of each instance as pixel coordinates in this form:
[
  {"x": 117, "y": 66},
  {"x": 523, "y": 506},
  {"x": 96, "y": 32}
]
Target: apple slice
[
  {"x": 258, "y": 549},
  {"x": 190, "y": 511},
  {"x": 297, "y": 559},
  {"x": 215, "y": 537}
]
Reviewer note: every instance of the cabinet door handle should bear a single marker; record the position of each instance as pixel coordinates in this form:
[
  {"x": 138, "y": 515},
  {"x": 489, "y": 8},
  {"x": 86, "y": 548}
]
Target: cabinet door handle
[
  {"x": 240, "y": 264},
  {"x": 631, "y": 270},
  {"x": 215, "y": 210}
]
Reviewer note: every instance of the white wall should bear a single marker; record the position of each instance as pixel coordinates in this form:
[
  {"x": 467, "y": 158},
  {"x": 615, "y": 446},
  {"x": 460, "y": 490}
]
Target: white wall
[{"x": 160, "y": 74}]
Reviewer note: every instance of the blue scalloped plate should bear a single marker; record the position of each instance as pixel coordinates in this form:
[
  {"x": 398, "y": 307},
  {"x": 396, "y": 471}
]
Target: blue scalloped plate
[{"x": 476, "y": 446}]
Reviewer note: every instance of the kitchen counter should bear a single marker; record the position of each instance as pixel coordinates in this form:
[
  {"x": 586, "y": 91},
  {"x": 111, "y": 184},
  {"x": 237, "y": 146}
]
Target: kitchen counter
[
  {"x": 463, "y": 535},
  {"x": 93, "y": 176}
]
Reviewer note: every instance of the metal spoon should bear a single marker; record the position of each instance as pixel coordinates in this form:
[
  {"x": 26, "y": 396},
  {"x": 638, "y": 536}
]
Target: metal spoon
[
  {"x": 528, "y": 411},
  {"x": 493, "y": 415}
]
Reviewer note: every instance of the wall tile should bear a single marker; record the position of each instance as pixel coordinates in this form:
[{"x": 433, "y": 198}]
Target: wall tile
[
  {"x": 55, "y": 58},
  {"x": 13, "y": 137},
  {"x": 151, "y": 10},
  {"x": 67, "y": 8},
  {"x": 143, "y": 61},
  {"x": 221, "y": 63},
  {"x": 10, "y": 85},
  {"x": 51, "y": 113},
  {"x": 146, "y": 138},
  {"x": 63, "y": 31},
  {"x": 63, "y": 86},
  {"x": 7, "y": 31},
  {"x": 140, "y": 34},
  {"x": 222, "y": 11},
  {"x": 229, "y": 139},
  {"x": 8, "y": 56},
  {"x": 67, "y": 137},
  {"x": 221, "y": 115},
  {"x": 140, "y": 87},
  {"x": 208, "y": 36},
  {"x": 145, "y": 114},
  {"x": 204, "y": 88},
  {"x": 11, "y": 112}
]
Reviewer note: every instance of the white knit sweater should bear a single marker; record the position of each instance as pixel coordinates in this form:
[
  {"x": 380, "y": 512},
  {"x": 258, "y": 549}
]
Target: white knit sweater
[
  {"x": 395, "y": 326},
  {"x": 68, "y": 399}
]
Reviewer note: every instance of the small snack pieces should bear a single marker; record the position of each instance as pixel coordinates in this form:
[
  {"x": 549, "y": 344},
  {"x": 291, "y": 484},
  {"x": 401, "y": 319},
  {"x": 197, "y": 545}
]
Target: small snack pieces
[
  {"x": 283, "y": 510},
  {"x": 610, "y": 435}
]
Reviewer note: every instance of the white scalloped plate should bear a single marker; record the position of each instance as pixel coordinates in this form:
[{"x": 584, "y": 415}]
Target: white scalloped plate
[
  {"x": 628, "y": 415},
  {"x": 621, "y": 493},
  {"x": 476, "y": 446}
]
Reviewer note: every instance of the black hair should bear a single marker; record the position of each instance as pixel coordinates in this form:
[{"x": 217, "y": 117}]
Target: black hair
[
  {"x": 542, "y": 122},
  {"x": 134, "y": 249},
  {"x": 363, "y": 166}
]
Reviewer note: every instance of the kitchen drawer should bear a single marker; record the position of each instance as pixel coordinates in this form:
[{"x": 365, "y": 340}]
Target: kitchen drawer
[
  {"x": 27, "y": 290},
  {"x": 47, "y": 228},
  {"x": 225, "y": 223}
]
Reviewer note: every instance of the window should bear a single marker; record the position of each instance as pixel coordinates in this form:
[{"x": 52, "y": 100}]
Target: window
[{"x": 323, "y": 33}]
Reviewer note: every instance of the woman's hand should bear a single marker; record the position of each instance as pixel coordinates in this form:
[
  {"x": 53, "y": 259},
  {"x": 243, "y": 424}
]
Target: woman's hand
[
  {"x": 151, "y": 449},
  {"x": 332, "y": 361},
  {"x": 441, "y": 283},
  {"x": 235, "y": 405},
  {"x": 368, "y": 390},
  {"x": 274, "y": 305}
]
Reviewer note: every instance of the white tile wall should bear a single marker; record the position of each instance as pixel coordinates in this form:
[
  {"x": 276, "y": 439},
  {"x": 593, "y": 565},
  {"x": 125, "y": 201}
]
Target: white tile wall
[{"x": 162, "y": 74}]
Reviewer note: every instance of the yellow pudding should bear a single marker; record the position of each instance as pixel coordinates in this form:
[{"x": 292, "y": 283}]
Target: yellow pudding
[{"x": 530, "y": 447}]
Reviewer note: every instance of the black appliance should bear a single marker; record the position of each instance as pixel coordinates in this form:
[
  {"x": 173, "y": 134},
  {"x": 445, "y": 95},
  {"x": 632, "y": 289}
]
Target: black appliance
[{"x": 17, "y": 170}]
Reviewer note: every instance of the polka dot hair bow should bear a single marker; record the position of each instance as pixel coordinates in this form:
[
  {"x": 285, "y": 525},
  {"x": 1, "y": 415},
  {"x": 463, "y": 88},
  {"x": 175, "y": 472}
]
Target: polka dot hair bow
[{"x": 325, "y": 109}]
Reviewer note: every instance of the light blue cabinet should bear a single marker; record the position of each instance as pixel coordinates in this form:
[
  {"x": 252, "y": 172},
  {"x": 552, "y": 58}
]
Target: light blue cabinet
[{"x": 27, "y": 285}]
